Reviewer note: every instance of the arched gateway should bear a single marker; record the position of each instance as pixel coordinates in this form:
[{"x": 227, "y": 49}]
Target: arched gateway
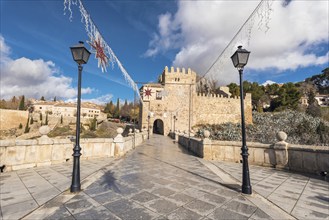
[{"x": 158, "y": 127}]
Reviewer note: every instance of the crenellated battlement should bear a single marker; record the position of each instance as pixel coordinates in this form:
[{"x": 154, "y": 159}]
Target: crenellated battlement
[
  {"x": 178, "y": 70},
  {"x": 218, "y": 96},
  {"x": 178, "y": 75}
]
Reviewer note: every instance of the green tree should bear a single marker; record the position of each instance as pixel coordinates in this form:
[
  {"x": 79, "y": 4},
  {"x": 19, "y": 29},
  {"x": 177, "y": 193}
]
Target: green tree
[
  {"x": 27, "y": 128},
  {"x": 234, "y": 89},
  {"x": 125, "y": 109},
  {"x": 3, "y": 104},
  {"x": 288, "y": 98},
  {"x": 20, "y": 126},
  {"x": 93, "y": 124},
  {"x": 117, "y": 109},
  {"x": 61, "y": 119},
  {"x": 46, "y": 122},
  {"x": 42, "y": 98},
  {"x": 55, "y": 99},
  {"x": 311, "y": 97},
  {"x": 22, "y": 103},
  {"x": 313, "y": 107},
  {"x": 257, "y": 92},
  {"x": 272, "y": 89}
]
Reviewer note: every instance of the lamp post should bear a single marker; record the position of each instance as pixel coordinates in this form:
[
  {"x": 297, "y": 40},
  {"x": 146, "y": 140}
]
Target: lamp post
[
  {"x": 80, "y": 55},
  {"x": 240, "y": 59},
  {"x": 175, "y": 118},
  {"x": 148, "y": 126}
]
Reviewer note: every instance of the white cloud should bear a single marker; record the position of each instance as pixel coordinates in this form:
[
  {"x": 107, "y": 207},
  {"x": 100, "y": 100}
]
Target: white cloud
[
  {"x": 99, "y": 100},
  {"x": 268, "y": 82},
  {"x": 200, "y": 30},
  {"x": 33, "y": 78}
]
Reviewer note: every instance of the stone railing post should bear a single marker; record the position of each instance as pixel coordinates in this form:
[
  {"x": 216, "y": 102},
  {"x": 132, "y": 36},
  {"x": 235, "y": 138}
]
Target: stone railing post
[
  {"x": 207, "y": 148},
  {"x": 132, "y": 135},
  {"x": 44, "y": 139},
  {"x": 119, "y": 143},
  {"x": 176, "y": 134},
  {"x": 281, "y": 151}
]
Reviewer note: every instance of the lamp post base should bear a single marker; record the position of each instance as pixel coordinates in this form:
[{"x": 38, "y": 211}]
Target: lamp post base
[{"x": 246, "y": 190}]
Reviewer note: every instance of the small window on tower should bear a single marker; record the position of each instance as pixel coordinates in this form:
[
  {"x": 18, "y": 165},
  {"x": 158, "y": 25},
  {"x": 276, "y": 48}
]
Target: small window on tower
[{"x": 158, "y": 95}]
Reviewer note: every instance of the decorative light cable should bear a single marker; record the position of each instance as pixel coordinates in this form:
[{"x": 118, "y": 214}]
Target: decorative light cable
[
  {"x": 102, "y": 50},
  {"x": 263, "y": 11}
]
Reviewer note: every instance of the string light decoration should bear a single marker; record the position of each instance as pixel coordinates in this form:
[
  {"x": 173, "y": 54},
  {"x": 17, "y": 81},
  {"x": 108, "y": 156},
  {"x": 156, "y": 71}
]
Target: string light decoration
[
  {"x": 103, "y": 52},
  {"x": 263, "y": 12}
]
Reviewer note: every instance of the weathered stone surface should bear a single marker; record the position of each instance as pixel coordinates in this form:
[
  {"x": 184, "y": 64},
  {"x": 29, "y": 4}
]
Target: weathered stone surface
[
  {"x": 281, "y": 136},
  {"x": 12, "y": 118},
  {"x": 310, "y": 162},
  {"x": 7, "y": 143},
  {"x": 25, "y": 142},
  {"x": 180, "y": 100}
]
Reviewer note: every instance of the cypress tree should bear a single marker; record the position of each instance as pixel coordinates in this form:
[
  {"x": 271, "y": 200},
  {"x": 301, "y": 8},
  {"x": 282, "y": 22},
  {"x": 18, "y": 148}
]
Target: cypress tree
[
  {"x": 46, "y": 122},
  {"x": 27, "y": 128},
  {"x": 61, "y": 119},
  {"x": 22, "y": 103}
]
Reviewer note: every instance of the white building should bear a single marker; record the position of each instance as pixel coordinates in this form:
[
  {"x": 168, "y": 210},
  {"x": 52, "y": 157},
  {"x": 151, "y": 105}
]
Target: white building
[
  {"x": 88, "y": 110},
  {"x": 323, "y": 100}
]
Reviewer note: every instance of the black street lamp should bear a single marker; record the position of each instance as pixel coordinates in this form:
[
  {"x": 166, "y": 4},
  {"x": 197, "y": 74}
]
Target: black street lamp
[
  {"x": 240, "y": 59},
  {"x": 175, "y": 119},
  {"x": 80, "y": 55},
  {"x": 148, "y": 126}
]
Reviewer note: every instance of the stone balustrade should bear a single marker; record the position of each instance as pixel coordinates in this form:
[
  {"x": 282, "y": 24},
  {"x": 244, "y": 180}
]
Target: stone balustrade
[
  {"x": 281, "y": 155},
  {"x": 19, "y": 154}
]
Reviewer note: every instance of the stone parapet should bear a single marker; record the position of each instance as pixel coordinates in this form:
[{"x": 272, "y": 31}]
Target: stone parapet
[
  {"x": 20, "y": 154},
  {"x": 281, "y": 155}
]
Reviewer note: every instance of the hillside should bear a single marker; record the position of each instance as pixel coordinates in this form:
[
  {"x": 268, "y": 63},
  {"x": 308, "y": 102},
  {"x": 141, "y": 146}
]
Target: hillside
[
  {"x": 301, "y": 128},
  {"x": 320, "y": 81}
]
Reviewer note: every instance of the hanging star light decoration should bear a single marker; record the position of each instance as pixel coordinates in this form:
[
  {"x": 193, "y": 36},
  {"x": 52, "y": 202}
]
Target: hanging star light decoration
[
  {"x": 148, "y": 92},
  {"x": 100, "y": 54}
]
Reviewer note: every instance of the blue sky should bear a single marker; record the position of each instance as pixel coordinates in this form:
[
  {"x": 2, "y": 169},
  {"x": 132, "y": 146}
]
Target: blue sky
[{"x": 146, "y": 36}]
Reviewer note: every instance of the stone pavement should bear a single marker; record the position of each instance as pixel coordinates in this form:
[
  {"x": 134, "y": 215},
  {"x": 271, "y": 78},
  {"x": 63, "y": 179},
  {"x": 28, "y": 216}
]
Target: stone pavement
[
  {"x": 301, "y": 195},
  {"x": 25, "y": 190},
  {"x": 159, "y": 180}
]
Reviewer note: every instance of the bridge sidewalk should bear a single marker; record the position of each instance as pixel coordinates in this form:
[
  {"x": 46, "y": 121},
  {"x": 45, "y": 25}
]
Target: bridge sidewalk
[{"x": 159, "y": 180}]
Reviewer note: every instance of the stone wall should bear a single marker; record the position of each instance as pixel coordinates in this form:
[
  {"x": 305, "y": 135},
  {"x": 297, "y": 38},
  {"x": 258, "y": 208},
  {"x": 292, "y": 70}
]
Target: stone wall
[
  {"x": 20, "y": 154},
  {"x": 309, "y": 159},
  {"x": 180, "y": 100},
  {"x": 215, "y": 109},
  {"x": 12, "y": 118}
]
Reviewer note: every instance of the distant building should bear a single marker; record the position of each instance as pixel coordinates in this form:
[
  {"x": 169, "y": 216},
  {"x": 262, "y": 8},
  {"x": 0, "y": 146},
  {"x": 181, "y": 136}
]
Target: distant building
[
  {"x": 323, "y": 100},
  {"x": 304, "y": 100},
  {"x": 88, "y": 110}
]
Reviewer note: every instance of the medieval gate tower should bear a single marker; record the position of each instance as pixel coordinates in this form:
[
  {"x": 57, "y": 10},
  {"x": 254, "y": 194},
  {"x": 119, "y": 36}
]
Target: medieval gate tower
[{"x": 173, "y": 104}]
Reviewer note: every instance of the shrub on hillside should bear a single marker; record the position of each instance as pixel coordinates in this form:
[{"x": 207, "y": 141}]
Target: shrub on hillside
[{"x": 301, "y": 128}]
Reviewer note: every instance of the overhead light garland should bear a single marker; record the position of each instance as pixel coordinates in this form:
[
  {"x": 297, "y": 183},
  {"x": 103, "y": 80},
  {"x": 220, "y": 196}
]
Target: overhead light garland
[{"x": 102, "y": 50}]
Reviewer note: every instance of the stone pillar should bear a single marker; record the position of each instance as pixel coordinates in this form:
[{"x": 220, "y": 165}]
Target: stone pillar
[
  {"x": 207, "y": 149},
  {"x": 176, "y": 134},
  {"x": 281, "y": 151},
  {"x": 132, "y": 135},
  {"x": 119, "y": 143},
  {"x": 44, "y": 139}
]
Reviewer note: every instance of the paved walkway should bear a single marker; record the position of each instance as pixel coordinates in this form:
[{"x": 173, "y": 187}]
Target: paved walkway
[
  {"x": 159, "y": 180},
  {"x": 25, "y": 190}
]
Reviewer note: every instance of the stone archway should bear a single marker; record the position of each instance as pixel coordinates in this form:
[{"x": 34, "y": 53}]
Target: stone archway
[{"x": 158, "y": 127}]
